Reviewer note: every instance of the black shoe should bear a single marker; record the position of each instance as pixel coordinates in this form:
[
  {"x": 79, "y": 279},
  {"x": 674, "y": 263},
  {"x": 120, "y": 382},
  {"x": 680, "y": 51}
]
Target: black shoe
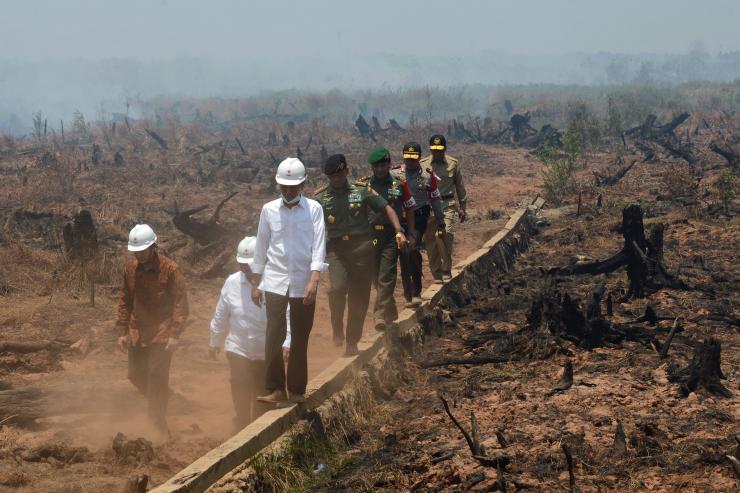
[{"x": 351, "y": 350}]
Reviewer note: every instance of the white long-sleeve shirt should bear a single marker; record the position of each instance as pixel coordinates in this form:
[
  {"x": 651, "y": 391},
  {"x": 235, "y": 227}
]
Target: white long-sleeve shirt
[
  {"x": 291, "y": 242},
  {"x": 238, "y": 323}
]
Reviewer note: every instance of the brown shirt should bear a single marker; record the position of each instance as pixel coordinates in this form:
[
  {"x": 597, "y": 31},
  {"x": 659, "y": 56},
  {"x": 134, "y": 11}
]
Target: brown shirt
[{"x": 154, "y": 303}]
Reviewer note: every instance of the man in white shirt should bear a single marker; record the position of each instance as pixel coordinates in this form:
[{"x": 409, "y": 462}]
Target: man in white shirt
[
  {"x": 240, "y": 326},
  {"x": 288, "y": 258}
]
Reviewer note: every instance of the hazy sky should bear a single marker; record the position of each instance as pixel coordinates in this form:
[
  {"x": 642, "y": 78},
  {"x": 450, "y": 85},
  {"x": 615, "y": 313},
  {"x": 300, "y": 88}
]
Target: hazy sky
[{"x": 163, "y": 29}]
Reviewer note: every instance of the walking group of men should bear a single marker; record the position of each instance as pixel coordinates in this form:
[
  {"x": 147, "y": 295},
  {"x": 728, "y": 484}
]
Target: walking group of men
[{"x": 358, "y": 230}]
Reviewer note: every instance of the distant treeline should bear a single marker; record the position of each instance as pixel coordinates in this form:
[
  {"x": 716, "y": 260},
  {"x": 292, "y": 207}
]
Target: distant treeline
[
  {"x": 393, "y": 85},
  {"x": 625, "y": 105}
]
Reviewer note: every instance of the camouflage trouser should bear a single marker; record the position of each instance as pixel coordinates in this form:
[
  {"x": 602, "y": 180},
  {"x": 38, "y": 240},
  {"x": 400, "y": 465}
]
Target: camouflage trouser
[
  {"x": 385, "y": 274},
  {"x": 350, "y": 276},
  {"x": 439, "y": 252}
]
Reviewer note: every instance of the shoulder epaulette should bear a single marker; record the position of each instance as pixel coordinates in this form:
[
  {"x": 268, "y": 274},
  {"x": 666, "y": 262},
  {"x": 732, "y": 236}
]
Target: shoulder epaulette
[
  {"x": 362, "y": 181},
  {"x": 451, "y": 159},
  {"x": 426, "y": 159},
  {"x": 320, "y": 189}
]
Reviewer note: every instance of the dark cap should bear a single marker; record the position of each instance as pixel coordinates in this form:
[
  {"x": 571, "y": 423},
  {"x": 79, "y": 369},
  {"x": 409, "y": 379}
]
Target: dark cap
[
  {"x": 412, "y": 150},
  {"x": 437, "y": 142},
  {"x": 335, "y": 163},
  {"x": 379, "y": 155}
]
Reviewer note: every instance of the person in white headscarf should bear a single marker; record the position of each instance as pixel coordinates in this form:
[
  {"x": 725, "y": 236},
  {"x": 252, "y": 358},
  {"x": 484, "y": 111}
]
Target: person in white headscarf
[{"x": 239, "y": 327}]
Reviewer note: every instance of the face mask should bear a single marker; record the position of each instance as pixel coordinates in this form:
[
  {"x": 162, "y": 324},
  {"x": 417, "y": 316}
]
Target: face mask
[{"x": 291, "y": 202}]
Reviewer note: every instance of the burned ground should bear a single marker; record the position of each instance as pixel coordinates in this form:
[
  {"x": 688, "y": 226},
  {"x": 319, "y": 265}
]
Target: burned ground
[
  {"x": 63, "y": 394},
  {"x": 625, "y": 423}
]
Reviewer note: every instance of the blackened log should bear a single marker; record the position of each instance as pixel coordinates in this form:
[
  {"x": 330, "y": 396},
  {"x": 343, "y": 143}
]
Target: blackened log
[
  {"x": 724, "y": 150},
  {"x": 157, "y": 138},
  {"x": 679, "y": 150},
  {"x": 239, "y": 143},
  {"x": 602, "y": 180},
  {"x": 477, "y": 359},
  {"x": 395, "y": 126},
  {"x": 204, "y": 233},
  {"x": 669, "y": 339},
  {"x": 376, "y": 125}
]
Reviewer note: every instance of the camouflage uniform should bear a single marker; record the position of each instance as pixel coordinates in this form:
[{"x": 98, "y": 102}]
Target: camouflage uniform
[
  {"x": 398, "y": 196},
  {"x": 349, "y": 253}
]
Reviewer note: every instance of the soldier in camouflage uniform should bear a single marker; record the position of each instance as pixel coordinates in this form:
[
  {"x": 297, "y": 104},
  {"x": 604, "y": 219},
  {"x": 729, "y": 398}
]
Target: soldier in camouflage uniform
[
  {"x": 398, "y": 196},
  {"x": 454, "y": 199},
  {"x": 349, "y": 250}
]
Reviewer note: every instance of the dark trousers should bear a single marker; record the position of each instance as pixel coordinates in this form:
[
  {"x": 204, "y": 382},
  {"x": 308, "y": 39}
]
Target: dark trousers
[
  {"x": 149, "y": 371},
  {"x": 411, "y": 261},
  {"x": 385, "y": 274},
  {"x": 301, "y": 323},
  {"x": 350, "y": 276},
  {"x": 247, "y": 382}
]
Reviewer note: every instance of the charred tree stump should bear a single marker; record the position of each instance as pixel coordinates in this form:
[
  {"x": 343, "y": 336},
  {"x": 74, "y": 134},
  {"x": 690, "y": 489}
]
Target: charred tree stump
[
  {"x": 619, "y": 446},
  {"x": 364, "y": 128},
  {"x": 566, "y": 381},
  {"x": 80, "y": 237},
  {"x": 136, "y": 484},
  {"x": 704, "y": 371},
  {"x": 642, "y": 257},
  {"x": 569, "y": 463},
  {"x": 520, "y": 127}
]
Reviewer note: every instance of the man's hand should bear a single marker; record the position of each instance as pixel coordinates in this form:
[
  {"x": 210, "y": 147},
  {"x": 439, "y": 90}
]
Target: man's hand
[
  {"x": 463, "y": 215},
  {"x": 123, "y": 343},
  {"x": 440, "y": 233},
  {"x": 286, "y": 353},
  {"x": 172, "y": 345},
  {"x": 256, "y": 296},
  {"x": 309, "y": 294},
  {"x": 401, "y": 241},
  {"x": 213, "y": 352},
  {"x": 412, "y": 242}
]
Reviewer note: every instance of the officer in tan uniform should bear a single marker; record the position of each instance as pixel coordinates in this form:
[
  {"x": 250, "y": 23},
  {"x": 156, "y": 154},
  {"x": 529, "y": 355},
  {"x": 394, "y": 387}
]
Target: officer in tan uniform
[{"x": 454, "y": 198}]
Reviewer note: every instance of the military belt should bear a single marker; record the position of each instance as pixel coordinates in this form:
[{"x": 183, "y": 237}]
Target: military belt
[{"x": 350, "y": 237}]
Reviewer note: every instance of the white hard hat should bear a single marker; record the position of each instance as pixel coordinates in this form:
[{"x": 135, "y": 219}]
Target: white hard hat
[
  {"x": 291, "y": 172},
  {"x": 245, "y": 250},
  {"x": 141, "y": 237}
]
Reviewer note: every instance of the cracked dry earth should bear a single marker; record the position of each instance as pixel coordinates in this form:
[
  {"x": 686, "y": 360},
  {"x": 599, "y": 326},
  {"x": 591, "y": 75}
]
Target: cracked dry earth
[{"x": 672, "y": 443}]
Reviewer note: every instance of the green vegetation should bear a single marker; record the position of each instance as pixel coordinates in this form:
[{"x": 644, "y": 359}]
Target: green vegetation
[
  {"x": 560, "y": 166},
  {"x": 726, "y": 188}
]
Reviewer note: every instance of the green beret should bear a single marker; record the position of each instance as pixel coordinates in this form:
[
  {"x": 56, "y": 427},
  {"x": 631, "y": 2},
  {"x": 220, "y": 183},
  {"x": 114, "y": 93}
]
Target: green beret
[{"x": 379, "y": 155}]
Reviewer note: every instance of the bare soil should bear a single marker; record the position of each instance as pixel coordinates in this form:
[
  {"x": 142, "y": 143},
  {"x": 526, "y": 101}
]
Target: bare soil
[{"x": 84, "y": 399}]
